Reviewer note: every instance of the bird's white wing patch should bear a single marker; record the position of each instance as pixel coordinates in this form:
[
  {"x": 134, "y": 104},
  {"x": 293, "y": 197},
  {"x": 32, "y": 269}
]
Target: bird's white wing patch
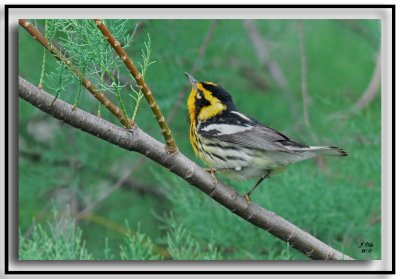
[
  {"x": 241, "y": 115},
  {"x": 226, "y": 129}
]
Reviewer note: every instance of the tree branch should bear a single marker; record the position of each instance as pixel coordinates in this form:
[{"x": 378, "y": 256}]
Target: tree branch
[
  {"x": 139, "y": 141},
  {"x": 107, "y": 193},
  {"x": 166, "y": 132},
  {"x": 89, "y": 86},
  {"x": 303, "y": 63},
  {"x": 373, "y": 86},
  {"x": 368, "y": 95},
  {"x": 304, "y": 91}
]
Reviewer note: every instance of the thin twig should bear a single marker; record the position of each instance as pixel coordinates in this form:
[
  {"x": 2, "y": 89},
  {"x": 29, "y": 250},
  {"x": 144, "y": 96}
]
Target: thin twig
[
  {"x": 138, "y": 141},
  {"x": 89, "y": 86},
  {"x": 143, "y": 188},
  {"x": 256, "y": 79},
  {"x": 368, "y": 95},
  {"x": 304, "y": 92},
  {"x": 195, "y": 68},
  {"x": 166, "y": 132},
  {"x": 107, "y": 193},
  {"x": 303, "y": 62},
  {"x": 373, "y": 86},
  {"x": 44, "y": 57}
]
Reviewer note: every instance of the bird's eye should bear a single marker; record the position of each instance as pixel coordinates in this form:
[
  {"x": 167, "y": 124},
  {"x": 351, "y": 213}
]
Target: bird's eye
[{"x": 199, "y": 95}]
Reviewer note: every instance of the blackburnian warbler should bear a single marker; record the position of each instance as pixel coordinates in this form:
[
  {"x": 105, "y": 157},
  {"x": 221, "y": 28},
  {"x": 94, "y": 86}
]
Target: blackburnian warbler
[{"x": 236, "y": 145}]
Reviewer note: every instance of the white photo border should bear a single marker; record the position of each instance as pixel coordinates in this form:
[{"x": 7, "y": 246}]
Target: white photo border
[{"x": 10, "y": 235}]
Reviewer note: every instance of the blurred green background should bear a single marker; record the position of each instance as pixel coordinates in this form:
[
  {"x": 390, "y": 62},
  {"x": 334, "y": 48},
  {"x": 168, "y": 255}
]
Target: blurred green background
[{"x": 107, "y": 203}]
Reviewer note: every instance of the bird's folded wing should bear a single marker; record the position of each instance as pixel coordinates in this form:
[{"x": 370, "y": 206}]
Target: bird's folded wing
[{"x": 255, "y": 136}]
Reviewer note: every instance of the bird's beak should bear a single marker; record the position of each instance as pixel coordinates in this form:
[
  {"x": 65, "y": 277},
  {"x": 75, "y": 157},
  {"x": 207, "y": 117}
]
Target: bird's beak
[{"x": 191, "y": 80}]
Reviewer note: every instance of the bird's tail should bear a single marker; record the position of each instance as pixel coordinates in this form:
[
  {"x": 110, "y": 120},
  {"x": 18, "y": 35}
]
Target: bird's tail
[
  {"x": 327, "y": 151},
  {"x": 302, "y": 153}
]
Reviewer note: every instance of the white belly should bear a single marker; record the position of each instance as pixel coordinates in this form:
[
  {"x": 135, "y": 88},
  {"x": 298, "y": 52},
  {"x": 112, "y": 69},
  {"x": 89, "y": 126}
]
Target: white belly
[{"x": 237, "y": 163}]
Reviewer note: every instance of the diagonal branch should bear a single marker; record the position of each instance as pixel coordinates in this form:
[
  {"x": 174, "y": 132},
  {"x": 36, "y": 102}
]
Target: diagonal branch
[
  {"x": 166, "y": 132},
  {"x": 369, "y": 93},
  {"x": 138, "y": 141},
  {"x": 89, "y": 86},
  {"x": 304, "y": 90},
  {"x": 373, "y": 87},
  {"x": 303, "y": 63},
  {"x": 107, "y": 193}
]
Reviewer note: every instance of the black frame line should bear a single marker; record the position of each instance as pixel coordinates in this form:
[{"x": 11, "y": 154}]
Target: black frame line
[{"x": 7, "y": 155}]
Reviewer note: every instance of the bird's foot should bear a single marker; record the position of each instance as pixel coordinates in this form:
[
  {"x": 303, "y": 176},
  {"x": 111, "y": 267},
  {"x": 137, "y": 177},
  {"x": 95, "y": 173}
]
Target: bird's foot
[
  {"x": 212, "y": 172},
  {"x": 247, "y": 198}
]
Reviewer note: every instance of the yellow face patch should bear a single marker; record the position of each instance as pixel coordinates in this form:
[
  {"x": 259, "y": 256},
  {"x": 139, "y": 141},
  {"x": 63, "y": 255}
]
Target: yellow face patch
[{"x": 215, "y": 107}]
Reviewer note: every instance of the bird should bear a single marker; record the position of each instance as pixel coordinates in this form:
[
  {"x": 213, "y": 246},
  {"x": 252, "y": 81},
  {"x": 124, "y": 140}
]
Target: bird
[{"x": 238, "y": 146}]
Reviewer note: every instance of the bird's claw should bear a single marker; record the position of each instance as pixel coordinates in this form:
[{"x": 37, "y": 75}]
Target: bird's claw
[
  {"x": 212, "y": 172},
  {"x": 247, "y": 198}
]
